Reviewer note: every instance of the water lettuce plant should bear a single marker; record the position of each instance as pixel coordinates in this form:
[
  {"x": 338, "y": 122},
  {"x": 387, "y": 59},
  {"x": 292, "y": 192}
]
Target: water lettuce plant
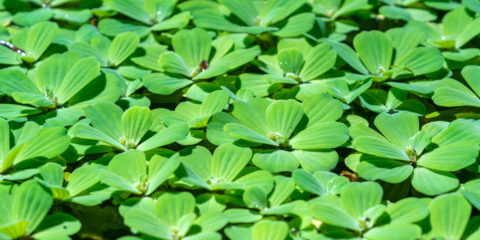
[
  {"x": 405, "y": 153},
  {"x": 239, "y": 119}
]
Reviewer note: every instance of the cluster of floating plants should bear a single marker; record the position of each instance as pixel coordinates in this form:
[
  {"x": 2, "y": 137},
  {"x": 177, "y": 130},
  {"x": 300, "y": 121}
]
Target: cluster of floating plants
[{"x": 240, "y": 119}]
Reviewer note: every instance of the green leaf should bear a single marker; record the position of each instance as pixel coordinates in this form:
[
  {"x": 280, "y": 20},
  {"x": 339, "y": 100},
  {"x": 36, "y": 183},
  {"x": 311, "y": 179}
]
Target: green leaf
[
  {"x": 13, "y": 80},
  {"x": 307, "y": 181},
  {"x": 132, "y": 8},
  {"x": 81, "y": 179},
  {"x": 9, "y": 57},
  {"x": 172, "y": 62},
  {"x": 147, "y": 223},
  {"x": 274, "y": 11},
  {"x": 251, "y": 113},
  {"x": 79, "y": 75},
  {"x": 229, "y": 62},
  {"x": 380, "y": 148},
  {"x": 321, "y": 136},
  {"x": 193, "y": 46},
  {"x": 126, "y": 171},
  {"x": 255, "y": 197},
  {"x": 159, "y": 170},
  {"x": 268, "y": 229},
  {"x": 404, "y": 40},
  {"x": 198, "y": 159},
  {"x": 297, "y": 25},
  {"x": 112, "y": 27},
  {"x": 398, "y": 128},
  {"x": 15, "y": 230},
  {"x": 333, "y": 215},
  {"x": 313, "y": 161},
  {"x": 52, "y": 174},
  {"x": 455, "y": 22},
  {"x": 228, "y": 160},
  {"x": 87, "y": 132},
  {"x": 451, "y": 97},
  {"x": 211, "y": 221},
  {"x": 379, "y": 58},
  {"x": 359, "y": 197},
  {"x": 31, "y": 203},
  {"x": 238, "y": 215},
  {"x": 348, "y": 55},
  {"x": 106, "y": 117},
  {"x": 283, "y": 116},
  {"x": 48, "y": 143},
  {"x": 468, "y": 33},
  {"x": 163, "y": 84},
  {"x": 472, "y": 75},
  {"x": 451, "y": 157},
  {"x": 171, "y": 207},
  {"x": 407, "y": 210},
  {"x": 58, "y": 225},
  {"x": 284, "y": 187},
  {"x": 214, "y": 102},
  {"x": 432, "y": 182},
  {"x": 4, "y": 138},
  {"x": 215, "y": 128},
  {"x": 165, "y": 136},
  {"x": 421, "y": 60},
  {"x": 123, "y": 45},
  {"x": 135, "y": 123},
  {"x": 318, "y": 60},
  {"x": 394, "y": 232},
  {"x": 449, "y": 215},
  {"x": 39, "y": 38},
  {"x": 322, "y": 108},
  {"x": 149, "y": 57},
  {"x": 290, "y": 61},
  {"x": 177, "y": 21},
  {"x": 242, "y": 132},
  {"x": 243, "y": 9},
  {"x": 276, "y": 161}
]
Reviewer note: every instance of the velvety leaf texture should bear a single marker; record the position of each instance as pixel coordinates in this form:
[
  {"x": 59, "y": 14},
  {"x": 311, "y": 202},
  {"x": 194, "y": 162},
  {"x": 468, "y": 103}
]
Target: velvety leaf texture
[{"x": 239, "y": 119}]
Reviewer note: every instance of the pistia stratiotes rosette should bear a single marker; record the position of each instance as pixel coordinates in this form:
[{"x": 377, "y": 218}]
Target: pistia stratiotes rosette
[
  {"x": 401, "y": 151},
  {"x": 30, "y": 43},
  {"x": 171, "y": 216},
  {"x": 119, "y": 49},
  {"x": 81, "y": 187},
  {"x": 377, "y": 100},
  {"x": 458, "y": 27},
  {"x": 222, "y": 170},
  {"x": 28, "y": 146},
  {"x": 64, "y": 82},
  {"x": 196, "y": 115},
  {"x": 136, "y": 128},
  {"x": 381, "y": 62},
  {"x": 359, "y": 209},
  {"x": 24, "y": 214},
  {"x": 131, "y": 172},
  {"x": 253, "y": 17},
  {"x": 239, "y": 119},
  {"x": 192, "y": 60},
  {"x": 286, "y": 133},
  {"x": 148, "y": 15},
  {"x": 296, "y": 62}
]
